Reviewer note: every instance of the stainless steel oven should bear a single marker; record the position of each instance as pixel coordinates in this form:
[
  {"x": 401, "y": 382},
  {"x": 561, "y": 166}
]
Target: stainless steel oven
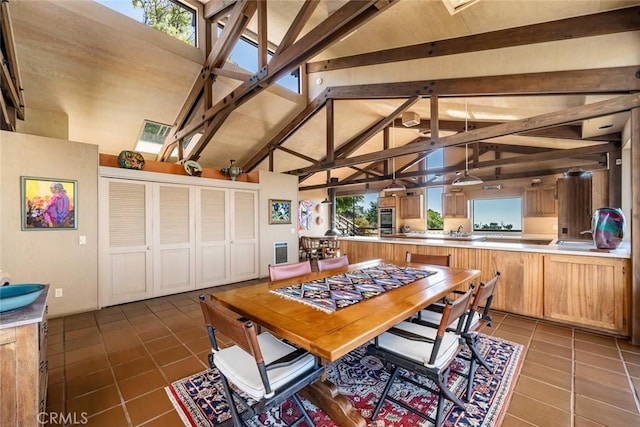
[{"x": 386, "y": 220}]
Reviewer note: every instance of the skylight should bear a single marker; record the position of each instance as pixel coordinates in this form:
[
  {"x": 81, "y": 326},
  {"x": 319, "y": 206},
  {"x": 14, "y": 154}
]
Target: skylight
[
  {"x": 152, "y": 137},
  {"x": 169, "y": 16}
]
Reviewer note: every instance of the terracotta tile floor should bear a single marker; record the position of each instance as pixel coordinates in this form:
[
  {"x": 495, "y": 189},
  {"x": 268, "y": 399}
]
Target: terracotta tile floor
[{"x": 112, "y": 365}]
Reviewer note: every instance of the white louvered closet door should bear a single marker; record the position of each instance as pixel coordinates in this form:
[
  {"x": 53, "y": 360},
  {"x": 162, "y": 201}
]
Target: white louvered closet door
[
  {"x": 125, "y": 256},
  {"x": 174, "y": 239},
  {"x": 212, "y": 237},
  {"x": 244, "y": 235}
]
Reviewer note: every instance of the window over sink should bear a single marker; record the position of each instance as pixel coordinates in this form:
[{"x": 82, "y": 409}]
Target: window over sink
[{"x": 497, "y": 214}]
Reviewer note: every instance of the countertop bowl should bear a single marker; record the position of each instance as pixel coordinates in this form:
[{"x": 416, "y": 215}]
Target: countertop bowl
[{"x": 17, "y": 296}]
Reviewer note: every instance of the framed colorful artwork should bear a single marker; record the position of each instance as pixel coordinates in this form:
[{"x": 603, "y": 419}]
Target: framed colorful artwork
[
  {"x": 304, "y": 214},
  {"x": 279, "y": 211},
  {"x": 48, "y": 204}
]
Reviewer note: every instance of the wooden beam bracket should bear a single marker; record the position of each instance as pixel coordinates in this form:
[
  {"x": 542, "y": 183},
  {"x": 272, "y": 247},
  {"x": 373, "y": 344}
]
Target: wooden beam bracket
[{"x": 257, "y": 77}]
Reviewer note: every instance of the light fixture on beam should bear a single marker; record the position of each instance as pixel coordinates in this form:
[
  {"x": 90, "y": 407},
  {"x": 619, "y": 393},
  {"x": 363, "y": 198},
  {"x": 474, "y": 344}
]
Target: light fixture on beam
[
  {"x": 394, "y": 186},
  {"x": 409, "y": 118},
  {"x": 466, "y": 178}
]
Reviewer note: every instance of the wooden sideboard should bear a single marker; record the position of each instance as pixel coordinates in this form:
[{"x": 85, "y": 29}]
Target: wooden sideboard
[
  {"x": 23, "y": 364},
  {"x": 586, "y": 291}
]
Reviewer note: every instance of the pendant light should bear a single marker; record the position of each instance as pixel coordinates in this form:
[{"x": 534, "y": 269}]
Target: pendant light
[
  {"x": 466, "y": 179},
  {"x": 394, "y": 186}
]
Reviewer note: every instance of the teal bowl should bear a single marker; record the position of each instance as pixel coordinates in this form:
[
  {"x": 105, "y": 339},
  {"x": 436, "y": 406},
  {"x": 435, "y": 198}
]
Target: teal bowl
[{"x": 13, "y": 297}]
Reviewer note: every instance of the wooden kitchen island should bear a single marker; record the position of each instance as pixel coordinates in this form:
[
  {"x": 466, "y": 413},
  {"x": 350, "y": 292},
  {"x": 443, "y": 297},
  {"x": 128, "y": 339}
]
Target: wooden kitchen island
[{"x": 572, "y": 284}]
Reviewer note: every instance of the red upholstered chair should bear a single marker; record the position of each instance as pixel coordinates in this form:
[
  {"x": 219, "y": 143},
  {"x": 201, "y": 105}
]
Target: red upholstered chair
[
  {"x": 331, "y": 263},
  {"x": 286, "y": 271}
]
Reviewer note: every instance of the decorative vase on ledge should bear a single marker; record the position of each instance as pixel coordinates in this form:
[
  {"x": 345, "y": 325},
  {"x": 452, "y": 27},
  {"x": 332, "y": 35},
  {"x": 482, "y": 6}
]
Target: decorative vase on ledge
[
  {"x": 608, "y": 227},
  {"x": 233, "y": 170}
]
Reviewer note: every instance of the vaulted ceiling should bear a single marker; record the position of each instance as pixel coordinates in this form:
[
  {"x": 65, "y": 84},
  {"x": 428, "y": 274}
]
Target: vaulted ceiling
[{"x": 531, "y": 86}]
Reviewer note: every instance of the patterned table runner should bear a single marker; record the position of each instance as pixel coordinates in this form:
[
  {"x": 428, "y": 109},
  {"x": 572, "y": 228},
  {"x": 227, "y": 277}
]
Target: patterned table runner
[{"x": 342, "y": 290}]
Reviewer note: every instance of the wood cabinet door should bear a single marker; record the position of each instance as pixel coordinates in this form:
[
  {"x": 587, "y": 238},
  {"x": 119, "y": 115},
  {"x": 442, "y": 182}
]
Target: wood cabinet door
[
  {"x": 454, "y": 205},
  {"x": 548, "y": 205},
  {"x": 386, "y": 202},
  {"x": 520, "y": 287},
  {"x": 530, "y": 202},
  {"x": 588, "y": 291},
  {"x": 540, "y": 202},
  {"x": 411, "y": 207},
  {"x": 574, "y": 208}
]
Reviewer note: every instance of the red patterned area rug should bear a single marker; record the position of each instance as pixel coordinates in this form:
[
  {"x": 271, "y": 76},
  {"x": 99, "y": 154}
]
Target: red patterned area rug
[{"x": 200, "y": 401}]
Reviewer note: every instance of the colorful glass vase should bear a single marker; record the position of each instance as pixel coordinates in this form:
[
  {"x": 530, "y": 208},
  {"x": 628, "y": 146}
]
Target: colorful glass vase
[{"x": 608, "y": 225}]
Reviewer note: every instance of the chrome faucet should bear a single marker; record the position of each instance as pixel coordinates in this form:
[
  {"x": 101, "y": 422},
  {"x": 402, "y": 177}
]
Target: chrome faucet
[{"x": 459, "y": 231}]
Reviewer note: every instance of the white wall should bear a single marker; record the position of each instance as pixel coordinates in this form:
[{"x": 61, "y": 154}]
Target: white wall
[
  {"x": 282, "y": 187},
  {"x": 51, "y": 256}
]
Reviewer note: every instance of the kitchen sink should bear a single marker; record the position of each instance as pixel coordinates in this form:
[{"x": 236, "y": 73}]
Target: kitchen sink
[{"x": 461, "y": 236}]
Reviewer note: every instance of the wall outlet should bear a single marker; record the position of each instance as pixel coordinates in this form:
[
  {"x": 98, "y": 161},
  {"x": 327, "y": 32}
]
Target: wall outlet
[
  {"x": 58, "y": 293},
  {"x": 82, "y": 240},
  {"x": 555, "y": 227}
]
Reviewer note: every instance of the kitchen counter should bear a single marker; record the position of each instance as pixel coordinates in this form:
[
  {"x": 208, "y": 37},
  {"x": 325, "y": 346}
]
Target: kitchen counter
[
  {"x": 33, "y": 313},
  {"x": 574, "y": 284},
  {"x": 462, "y": 237},
  {"x": 504, "y": 243}
]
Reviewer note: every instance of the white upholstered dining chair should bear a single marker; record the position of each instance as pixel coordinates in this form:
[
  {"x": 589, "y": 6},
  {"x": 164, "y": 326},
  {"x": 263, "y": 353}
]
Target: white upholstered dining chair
[
  {"x": 263, "y": 367},
  {"x": 410, "y": 349}
]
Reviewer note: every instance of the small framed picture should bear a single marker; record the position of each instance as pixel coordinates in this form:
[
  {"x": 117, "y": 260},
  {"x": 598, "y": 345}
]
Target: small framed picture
[
  {"x": 279, "y": 211},
  {"x": 49, "y": 204}
]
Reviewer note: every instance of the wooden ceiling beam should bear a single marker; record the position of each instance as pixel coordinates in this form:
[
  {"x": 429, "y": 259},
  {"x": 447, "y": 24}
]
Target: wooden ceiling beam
[
  {"x": 525, "y": 174},
  {"x": 349, "y": 17},
  {"x": 559, "y": 132},
  {"x": 263, "y": 43},
  {"x": 329, "y": 134},
  {"x": 598, "y": 109},
  {"x": 580, "y": 82},
  {"x": 554, "y": 82},
  {"x": 305, "y": 12},
  {"x": 610, "y": 22},
  {"x": 216, "y": 9},
  {"x": 239, "y": 18},
  {"x": 236, "y": 75},
  {"x": 359, "y": 140},
  {"x": 300, "y": 155},
  {"x": 10, "y": 70},
  {"x": 237, "y": 22},
  {"x": 310, "y": 110}
]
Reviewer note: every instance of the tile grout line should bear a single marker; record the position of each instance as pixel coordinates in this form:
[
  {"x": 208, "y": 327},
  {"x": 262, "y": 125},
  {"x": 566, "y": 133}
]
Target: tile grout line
[{"x": 629, "y": 379}]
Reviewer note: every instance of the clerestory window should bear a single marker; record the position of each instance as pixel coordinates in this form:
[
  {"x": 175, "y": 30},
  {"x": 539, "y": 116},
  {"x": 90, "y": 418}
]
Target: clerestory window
[{"x": 172, "y": 17}]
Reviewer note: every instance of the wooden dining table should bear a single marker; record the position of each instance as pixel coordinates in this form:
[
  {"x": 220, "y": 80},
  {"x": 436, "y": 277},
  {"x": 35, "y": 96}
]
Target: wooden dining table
[{"x": 332, "y": 335}]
